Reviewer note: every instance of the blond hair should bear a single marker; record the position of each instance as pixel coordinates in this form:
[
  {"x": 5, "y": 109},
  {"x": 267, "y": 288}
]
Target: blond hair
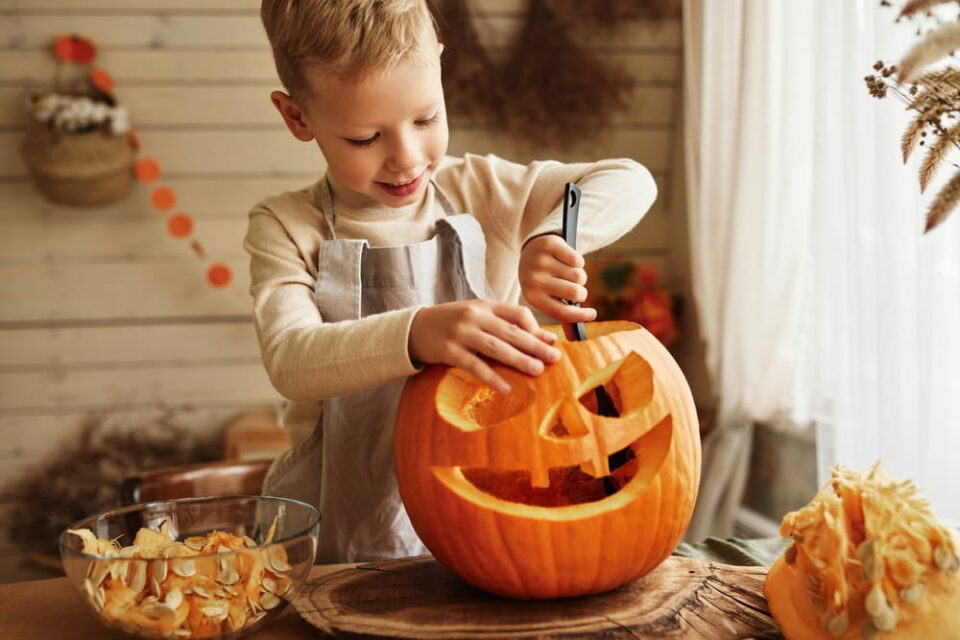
[{"x": 350, "y": 38}]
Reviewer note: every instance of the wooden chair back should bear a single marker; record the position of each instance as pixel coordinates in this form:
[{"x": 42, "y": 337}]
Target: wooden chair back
[{"x": 229, "y": 477}]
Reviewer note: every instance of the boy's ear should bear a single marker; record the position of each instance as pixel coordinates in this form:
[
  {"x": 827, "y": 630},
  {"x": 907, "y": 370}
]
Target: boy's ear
[{"x": 292, "y": 116}]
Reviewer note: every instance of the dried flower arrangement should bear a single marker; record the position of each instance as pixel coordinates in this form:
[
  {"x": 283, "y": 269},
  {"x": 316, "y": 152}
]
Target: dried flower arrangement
[
  {"x": 549, "y": 85},
  {"x": 624, "y": 289},
  {"x": 928, "y": 83},
  {"x": 81, "y": 149},
  {"x": 86, "y": 474},
  {"x": 78, "y": 146}
]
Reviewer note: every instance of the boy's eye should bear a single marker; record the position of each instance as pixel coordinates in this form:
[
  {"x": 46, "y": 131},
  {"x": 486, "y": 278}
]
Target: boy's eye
[
  {"x": 431, "y": 120},
  {"x": 364, "y": 142}
]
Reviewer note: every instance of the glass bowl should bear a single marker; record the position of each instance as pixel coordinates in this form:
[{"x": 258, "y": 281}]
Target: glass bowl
[{"x": 214, "y": 567}]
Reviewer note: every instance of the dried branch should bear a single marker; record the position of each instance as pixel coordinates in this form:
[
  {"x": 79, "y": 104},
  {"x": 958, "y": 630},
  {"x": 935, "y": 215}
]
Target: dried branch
[
  {"x": 943, "y": 204},
  {"x": 915, "y": 6},
  {"x": 912, "y": 135},
  {"x": 936, "y": 154},
  {"x": 937, "y": 44}
]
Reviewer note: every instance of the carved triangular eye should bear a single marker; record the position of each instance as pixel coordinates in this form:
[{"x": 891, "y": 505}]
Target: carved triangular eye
[{"x": 629, "y": 382}]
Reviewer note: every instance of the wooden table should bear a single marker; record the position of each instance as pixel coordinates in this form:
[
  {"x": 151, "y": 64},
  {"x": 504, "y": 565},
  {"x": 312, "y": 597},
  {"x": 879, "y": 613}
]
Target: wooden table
[{"x": 683, "y": 599}]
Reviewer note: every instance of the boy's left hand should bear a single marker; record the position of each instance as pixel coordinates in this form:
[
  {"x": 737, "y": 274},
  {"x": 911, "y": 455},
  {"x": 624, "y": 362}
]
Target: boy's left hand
[{"x": 551, "y": 273}]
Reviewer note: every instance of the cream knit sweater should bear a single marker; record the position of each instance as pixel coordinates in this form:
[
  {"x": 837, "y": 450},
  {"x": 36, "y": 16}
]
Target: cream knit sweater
[{"x": 308, "y": 360}]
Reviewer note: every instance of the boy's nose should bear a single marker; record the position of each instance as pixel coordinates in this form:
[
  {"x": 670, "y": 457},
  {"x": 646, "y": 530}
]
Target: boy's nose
[{"x": 404, "y": 155}]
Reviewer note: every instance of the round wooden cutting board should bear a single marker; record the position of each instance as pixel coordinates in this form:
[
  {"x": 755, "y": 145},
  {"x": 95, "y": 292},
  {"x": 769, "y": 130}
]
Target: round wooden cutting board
[{"x": 419, "y": 598}]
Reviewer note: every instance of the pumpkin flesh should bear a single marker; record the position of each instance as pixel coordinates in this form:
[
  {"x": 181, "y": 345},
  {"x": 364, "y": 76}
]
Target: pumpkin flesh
[{"x": 867, "y": 559}]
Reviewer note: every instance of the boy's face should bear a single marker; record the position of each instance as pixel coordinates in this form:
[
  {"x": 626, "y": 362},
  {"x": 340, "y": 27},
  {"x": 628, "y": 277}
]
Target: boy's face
[{"x": 382, "y": 136}]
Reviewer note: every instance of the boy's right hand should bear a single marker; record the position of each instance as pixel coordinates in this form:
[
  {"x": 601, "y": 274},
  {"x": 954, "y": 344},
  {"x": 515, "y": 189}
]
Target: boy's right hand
[{"x": 459, "y": 333}]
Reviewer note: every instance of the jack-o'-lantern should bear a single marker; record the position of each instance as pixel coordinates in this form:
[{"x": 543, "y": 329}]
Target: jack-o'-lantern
[{"x": 508, "y": 491}]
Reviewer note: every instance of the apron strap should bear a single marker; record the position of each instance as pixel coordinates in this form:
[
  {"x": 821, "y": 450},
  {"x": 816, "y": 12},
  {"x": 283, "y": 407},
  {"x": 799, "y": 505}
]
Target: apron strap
[
  {"x": 472, "y": 245},
  {"x": 339, "y": 263},
  {"x": 326, "y": 206}
]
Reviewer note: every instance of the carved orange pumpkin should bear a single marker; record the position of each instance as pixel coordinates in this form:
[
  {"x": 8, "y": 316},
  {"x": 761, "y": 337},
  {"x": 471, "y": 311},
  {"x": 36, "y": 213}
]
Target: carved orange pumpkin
[{"x": 507, "y": 490}]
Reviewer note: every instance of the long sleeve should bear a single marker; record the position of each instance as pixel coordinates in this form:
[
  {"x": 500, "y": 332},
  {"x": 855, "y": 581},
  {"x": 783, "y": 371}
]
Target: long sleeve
[
  {"x": 305, "y": 358},
  {"x": 516, "y": 202}
]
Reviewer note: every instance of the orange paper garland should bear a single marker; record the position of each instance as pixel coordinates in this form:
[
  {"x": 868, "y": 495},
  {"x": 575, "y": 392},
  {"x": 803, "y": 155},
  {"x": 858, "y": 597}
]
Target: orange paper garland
[{"x": 74, "y": 48}]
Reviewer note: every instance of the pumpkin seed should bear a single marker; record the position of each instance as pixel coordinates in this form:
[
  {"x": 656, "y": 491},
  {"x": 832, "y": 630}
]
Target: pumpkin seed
[
  {"x": 866, "y": 550},
  {"x": 97, "y": 572},
  {"x": 886, "y": 621},
  {"x": 269, "y": 601},
  {"x": 200, "y": 591},
  {"x": 835, "y": 623},
  {"x": 139, "y": 579},
  {"x": 216, "y": 609},
  {"x": 158, "y": 611},
  {"x": 912, "y": 593},
  {"x": 945, "y": 559},
  {"x": 174, "y": 598},
  {"x": 876, "y": 602},
  {"x": 275, "y": 559},
  {"x": 250, "y": 542},
  {"x": 196, "y": 543},
  {"x": 184, "y": 567},
  {"x": 160, "y": 570},
  {"x": 155, "y": 588}
]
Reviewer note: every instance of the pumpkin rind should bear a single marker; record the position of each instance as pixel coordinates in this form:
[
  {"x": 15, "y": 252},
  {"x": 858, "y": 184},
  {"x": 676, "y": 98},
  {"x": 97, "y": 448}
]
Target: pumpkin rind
[
  {"x": 534, "y": 550},
  {"x": 867, "y": 559}
]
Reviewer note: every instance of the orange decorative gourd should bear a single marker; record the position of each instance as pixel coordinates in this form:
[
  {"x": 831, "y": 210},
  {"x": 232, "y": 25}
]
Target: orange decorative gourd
[
  {"x": 507, "y": 490},
  {"x": 867, "y": 560}
]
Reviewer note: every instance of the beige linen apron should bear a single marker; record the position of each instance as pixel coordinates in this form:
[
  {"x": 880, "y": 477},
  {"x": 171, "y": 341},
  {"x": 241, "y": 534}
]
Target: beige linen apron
[{"x": 346, "y": 465}]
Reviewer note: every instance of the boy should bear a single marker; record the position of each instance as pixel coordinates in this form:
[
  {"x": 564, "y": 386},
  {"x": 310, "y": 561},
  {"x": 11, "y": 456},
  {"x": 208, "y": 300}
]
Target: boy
[{"x": 366, "y": 276}]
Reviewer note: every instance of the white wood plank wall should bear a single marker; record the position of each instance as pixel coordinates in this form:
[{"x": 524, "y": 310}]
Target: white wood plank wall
[{"x": 101, "y": 310}]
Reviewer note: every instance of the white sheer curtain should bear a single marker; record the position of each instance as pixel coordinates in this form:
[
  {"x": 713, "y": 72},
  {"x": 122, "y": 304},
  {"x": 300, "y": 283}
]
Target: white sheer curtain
[
  {"x": 818, "y": 297},
  {"x": 749, "y": 162},
  {"x": 884, "y": 377}
]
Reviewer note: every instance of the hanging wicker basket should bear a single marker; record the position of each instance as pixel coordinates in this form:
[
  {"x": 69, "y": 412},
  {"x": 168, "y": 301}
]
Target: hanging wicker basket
[{"x": 79, "y": 169}]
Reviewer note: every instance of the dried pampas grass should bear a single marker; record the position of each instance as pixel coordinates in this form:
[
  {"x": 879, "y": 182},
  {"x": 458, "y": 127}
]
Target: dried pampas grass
[
  {"x": 84, "y": 478},
  {"x": 933, "y": 95}
]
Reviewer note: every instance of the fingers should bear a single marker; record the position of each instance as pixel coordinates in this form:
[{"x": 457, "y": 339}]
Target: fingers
[
  {"x": 555, "y": 246},
  {"x": 480, "y": 370},
  {"x": 560, "y": 309},
  {"x": 511, "y": 336},
  {"x": 469, "y": 334}
]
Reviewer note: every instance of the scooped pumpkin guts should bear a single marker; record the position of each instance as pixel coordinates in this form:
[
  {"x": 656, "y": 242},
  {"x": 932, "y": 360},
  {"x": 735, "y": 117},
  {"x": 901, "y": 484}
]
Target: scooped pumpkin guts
[
  {"x": 867, "y": 559},
  {"x": 506, "y": 490}
]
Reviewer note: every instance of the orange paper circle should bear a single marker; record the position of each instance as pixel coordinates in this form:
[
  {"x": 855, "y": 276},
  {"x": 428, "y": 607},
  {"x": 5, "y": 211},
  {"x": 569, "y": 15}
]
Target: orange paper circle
[
  {"x": 101, "y": 80},
  {"x": 180, "y": 225},
  {"x": 219, "y": 275},
  {"x": 146, "y": 169},
  {"x": 163, "y": 198}
]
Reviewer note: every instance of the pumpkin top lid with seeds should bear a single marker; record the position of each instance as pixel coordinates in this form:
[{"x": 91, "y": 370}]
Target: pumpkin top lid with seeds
[{"x": 868, "y": 559}]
